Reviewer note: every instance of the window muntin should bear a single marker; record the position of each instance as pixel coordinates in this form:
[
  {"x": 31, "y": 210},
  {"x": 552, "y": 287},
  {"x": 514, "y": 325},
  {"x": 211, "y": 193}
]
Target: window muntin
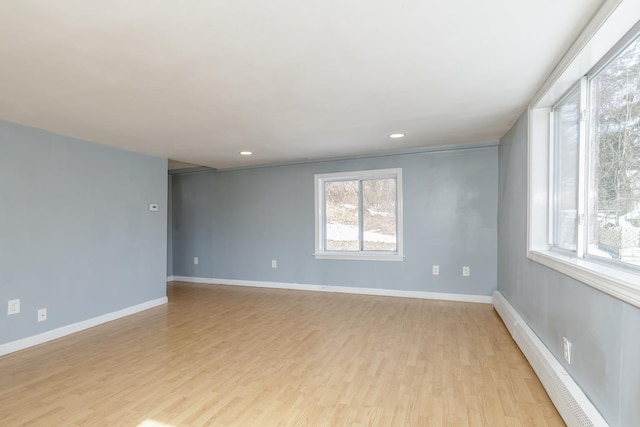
[
  {"x": 359, "y": 215},
  {"x": 609, "y": 189}
]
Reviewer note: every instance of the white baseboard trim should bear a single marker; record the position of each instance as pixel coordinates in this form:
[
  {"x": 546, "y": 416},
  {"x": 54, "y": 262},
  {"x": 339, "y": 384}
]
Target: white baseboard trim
[
  {"x": 171, "y": 278},
  {"x": 339, "y": 289},
  {"x": 567, "y": 396},
  {"x": 53, "y": 334}
]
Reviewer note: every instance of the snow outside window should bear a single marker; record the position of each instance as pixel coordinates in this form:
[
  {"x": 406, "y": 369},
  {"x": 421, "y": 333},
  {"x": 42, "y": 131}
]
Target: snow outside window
[{"x": 359, "y": 215}]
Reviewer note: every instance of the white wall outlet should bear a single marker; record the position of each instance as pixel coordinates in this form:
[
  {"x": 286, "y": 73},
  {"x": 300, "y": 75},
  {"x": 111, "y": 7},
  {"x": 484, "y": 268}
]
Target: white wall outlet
[
  {"x": 435, "y": 270},
  {"x": 153, "y": 207},
  {"x": 195, "y": 260},
  {"x": 466, "y": 271},
  {"x": 13, "y": 307},
  {"x": 274, "y": 263},
  {"x": 42, "y": 315},
  {"x": 567, "y": 349}
]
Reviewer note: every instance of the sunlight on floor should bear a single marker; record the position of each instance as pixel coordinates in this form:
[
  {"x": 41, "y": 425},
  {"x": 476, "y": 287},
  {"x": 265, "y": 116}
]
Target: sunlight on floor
[{"x": 152, "y": 423}]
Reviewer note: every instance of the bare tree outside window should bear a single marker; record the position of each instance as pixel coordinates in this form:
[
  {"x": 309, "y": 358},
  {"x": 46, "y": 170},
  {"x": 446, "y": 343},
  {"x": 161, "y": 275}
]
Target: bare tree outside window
[
  {"x": 379, "y": 214},
  {"x": 615, "y": 158},
  {"x": 342, "y": 217}
]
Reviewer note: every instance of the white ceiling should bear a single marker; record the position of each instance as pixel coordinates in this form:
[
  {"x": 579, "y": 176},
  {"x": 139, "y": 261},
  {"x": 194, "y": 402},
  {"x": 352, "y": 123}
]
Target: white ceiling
[{"x": 198, "y": 81}]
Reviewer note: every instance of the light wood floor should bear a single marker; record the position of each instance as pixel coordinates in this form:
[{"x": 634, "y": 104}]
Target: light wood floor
[{"x": 222, "y": 355}]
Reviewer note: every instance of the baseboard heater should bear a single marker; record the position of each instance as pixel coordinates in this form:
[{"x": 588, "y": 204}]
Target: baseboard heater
[{"x": 569, "y": 399}]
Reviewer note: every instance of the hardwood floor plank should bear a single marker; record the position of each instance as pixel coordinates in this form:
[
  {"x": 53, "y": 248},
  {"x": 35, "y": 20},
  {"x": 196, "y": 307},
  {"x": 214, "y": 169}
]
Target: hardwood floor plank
[{"x": 220, "y": 355}]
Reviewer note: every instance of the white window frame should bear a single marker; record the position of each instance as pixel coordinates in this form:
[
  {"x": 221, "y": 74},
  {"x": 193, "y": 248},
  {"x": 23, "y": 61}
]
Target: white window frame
[
  {"x": 321, "y": 252},
  {"x": 610, "y": 25}
]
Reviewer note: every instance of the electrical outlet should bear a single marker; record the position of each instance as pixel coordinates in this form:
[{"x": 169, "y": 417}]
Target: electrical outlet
[
  {"x": 42, "y": 315},
  {"x": 195, "y": 260},
  {"x": 13, "y": 307},
  {"x": 567, "y": 350},
  {"x": 153, "y": 207},
  {"x": 436, "y": 270},
  {"x": 274, "y": 263},
  {"x": 466, "y": 271}
]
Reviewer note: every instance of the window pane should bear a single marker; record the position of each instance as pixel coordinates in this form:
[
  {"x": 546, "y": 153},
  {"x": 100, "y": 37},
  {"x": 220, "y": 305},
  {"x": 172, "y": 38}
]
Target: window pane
[
  {"x": 342, "y": 219},
  {"x": 567, "y": 130},
  {"x": 379, "y": 214},
  {"x": 614, "y": 211}
]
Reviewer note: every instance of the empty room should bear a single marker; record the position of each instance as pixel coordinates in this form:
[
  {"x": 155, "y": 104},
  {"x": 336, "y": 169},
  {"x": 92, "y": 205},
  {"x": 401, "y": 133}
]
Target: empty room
[{"x": 367, "y": 213}]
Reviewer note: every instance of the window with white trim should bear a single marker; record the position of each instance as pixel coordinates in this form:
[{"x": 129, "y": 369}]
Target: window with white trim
[
  {"x": 596, "y": 162},
  {"x": 359, "y": 215},
  {"x": 584, "y": 158}
]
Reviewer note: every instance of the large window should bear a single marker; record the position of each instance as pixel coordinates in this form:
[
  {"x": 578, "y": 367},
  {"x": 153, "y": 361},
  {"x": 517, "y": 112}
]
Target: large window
[
  {"x": 359, "y": 215},
  {"x": 607, "y": 187},
  {"x": 584, "y": 158}
]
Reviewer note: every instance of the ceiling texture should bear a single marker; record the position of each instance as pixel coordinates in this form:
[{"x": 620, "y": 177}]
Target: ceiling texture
[{"x": 198, "y": 81}]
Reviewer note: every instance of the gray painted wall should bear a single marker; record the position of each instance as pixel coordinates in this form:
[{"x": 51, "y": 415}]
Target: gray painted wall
[
  {"x": 169, "y": 229},
  {"x": 605, "y": 332},
  {"x": 236, "y": 222},
  {"x": 76, "y": 235}
]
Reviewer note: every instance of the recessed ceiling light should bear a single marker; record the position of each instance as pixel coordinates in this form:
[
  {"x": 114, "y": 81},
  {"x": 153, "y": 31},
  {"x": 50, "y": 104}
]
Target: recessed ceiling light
[
  {"x": 396, "y": 135},
  {"x": 246, "y": 153}
]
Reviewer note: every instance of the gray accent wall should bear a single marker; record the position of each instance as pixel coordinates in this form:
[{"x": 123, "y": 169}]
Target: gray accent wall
[
  {"x": 237, "y": 221},
  {"x": 76, "y": 233},
  {"x": 169, "y": 230},
  {"x": 605, "y": 332}
]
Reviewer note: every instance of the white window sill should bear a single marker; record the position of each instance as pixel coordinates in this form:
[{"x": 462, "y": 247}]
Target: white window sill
[
  {"x": 615, "y": 282},
  {"x": 359, "y": 256}
]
